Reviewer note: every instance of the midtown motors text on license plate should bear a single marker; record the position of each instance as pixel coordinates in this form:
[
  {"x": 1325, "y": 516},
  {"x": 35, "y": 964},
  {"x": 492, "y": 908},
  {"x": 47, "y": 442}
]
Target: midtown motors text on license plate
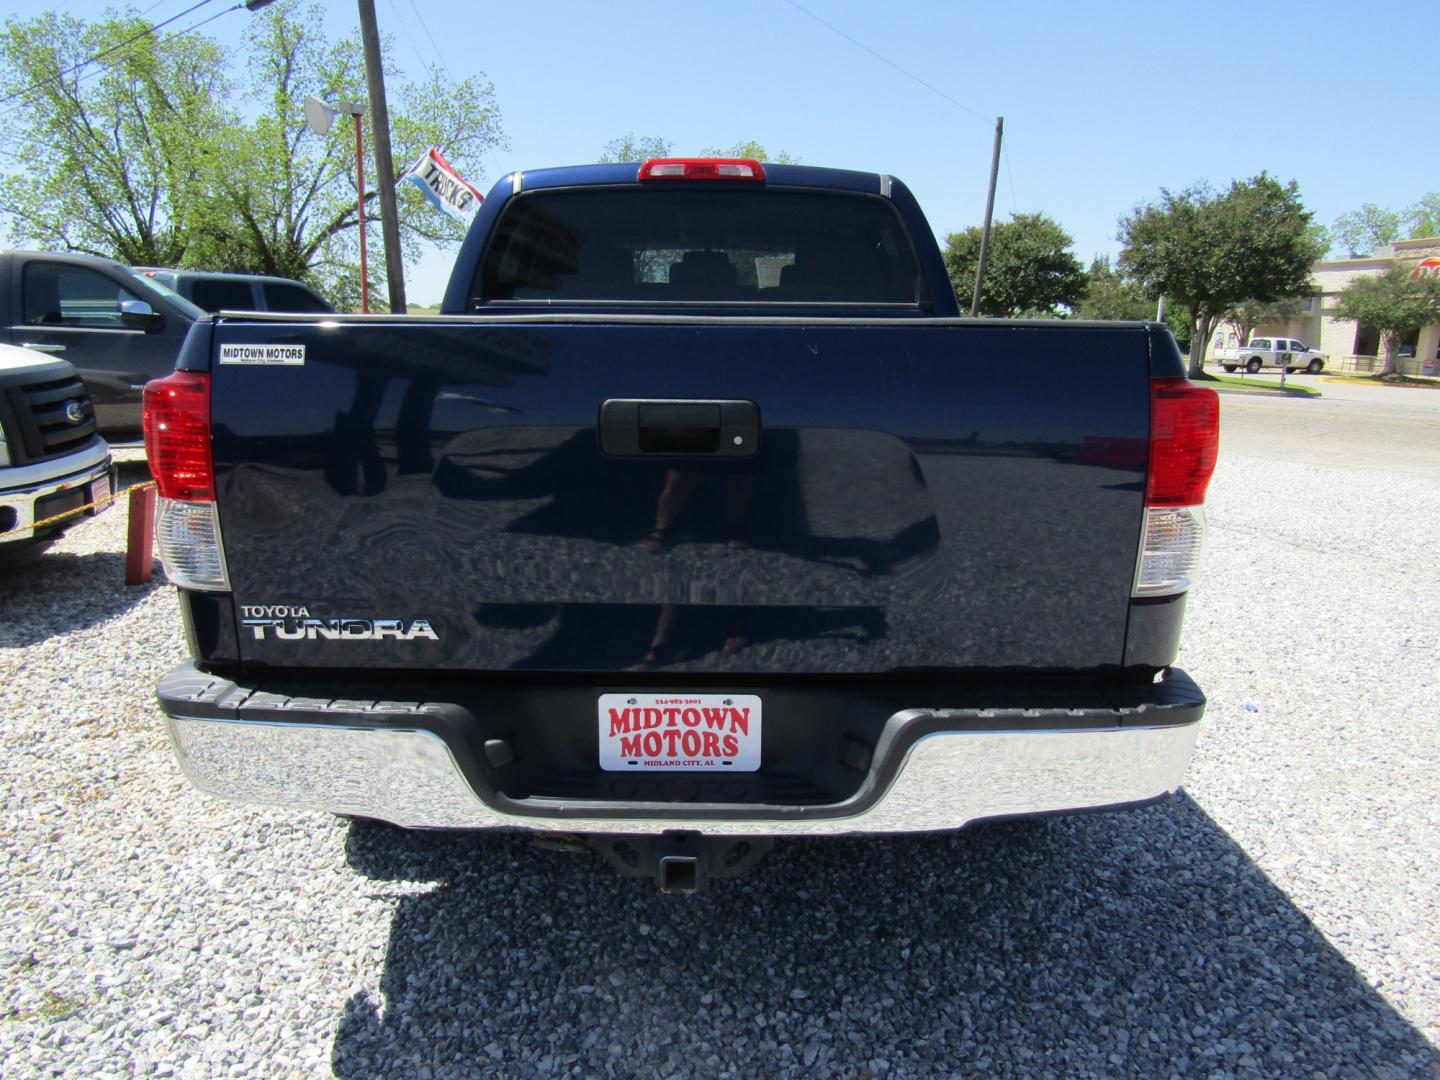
[{"x": 680, "y": 731}]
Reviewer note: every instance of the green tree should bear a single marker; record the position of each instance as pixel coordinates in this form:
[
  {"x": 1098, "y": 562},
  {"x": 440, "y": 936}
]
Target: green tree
[
  {"x": 111, "y": 159},
  {"x": 751, "y": 149},
  {"x": 632, "y": 147},
  {"x": 1181, "y": 323},
  {"x": 1210, "y": 251},
  {"x": 1031, "y": 270},
  {"x": 282, "y": 200},
  {"x": 1361, "y": 231},
  {"x": 141, "y": 158},
  {"x": 1423, "y": 219},
  {"x": 1245, "y": 316},
  {"x": 1395, "y": 303},
  {"x": 1109, "y": 294}
]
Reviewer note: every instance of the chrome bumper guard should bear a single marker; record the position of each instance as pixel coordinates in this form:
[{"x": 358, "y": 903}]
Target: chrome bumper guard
[
  {"x": 20, "y": 501},
  {"x": 368, "y": 762}
]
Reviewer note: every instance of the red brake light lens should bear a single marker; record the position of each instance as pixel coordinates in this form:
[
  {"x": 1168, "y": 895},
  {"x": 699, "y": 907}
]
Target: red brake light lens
[
  {"x": 177, "y": 436},
  {"x": 701, "y": 169},
  {"x": 1184, "y": 441}
]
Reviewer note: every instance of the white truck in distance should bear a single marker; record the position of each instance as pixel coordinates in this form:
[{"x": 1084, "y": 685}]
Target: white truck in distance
[{"x": 1280, "y": 352}]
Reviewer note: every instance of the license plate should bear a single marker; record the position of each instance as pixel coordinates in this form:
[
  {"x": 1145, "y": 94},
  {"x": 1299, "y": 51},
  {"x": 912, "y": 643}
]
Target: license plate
[
  {"x": 100, "y": 490},
  {"x": 712, "y": 732}
]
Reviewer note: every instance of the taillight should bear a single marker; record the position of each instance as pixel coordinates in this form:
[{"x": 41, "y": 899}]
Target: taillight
[
  {"x": 177, "y": 446},
  {"x": 701, "y": 169},
  {"x": 177, "y": 435},
  {"x": 1184, "y": 440}
]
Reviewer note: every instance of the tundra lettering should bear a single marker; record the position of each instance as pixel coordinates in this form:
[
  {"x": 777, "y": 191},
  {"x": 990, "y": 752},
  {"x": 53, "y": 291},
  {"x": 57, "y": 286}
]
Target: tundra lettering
[{"x": 292, "y": 628}]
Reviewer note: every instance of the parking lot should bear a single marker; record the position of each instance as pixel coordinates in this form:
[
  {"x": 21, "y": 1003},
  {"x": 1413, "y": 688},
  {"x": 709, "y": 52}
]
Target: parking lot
[{"x": 1277, "y": 918}]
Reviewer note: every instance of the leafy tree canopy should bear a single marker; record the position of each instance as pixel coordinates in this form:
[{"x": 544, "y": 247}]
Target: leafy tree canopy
[
  {"x": 751, "y": 149},
  {"x": 1211, "y": 250},
  {"x": 1395, "y": 303},
  {"x": 1109, "y": 294},
  {"x": 1423, "y": 218},
  {"x": 111, "y": 159},
  {"x": 632, "y": 147},
  {"x": 1248, "y": 314},
  {"x": 1181, "y": 323},
  {"x": 1031, "y": 270},
  {"x": 1361, "y": 231},
  {"x": 145, "y": 156}
]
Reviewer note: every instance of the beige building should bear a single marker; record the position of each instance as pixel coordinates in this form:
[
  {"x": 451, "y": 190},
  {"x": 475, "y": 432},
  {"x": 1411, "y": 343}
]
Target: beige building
[{"x": 1348, "y": 345}]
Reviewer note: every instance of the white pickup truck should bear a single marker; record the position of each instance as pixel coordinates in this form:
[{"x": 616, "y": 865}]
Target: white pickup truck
[
  {"x": 52, "y": 459},
  {"x": 1279, "y": 352}
]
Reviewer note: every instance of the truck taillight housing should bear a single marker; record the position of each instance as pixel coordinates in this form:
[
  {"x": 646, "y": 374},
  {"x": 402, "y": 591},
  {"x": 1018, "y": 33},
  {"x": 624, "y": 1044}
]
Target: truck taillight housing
[
  {"x": 177, "y": 446},
  {"x": 177, "y": 435},
  {"x": 1184, "y": 441},
  {"x": 701, "y": 169}
]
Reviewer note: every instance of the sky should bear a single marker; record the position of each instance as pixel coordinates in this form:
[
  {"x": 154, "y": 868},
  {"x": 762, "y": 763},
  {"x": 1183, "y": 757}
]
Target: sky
[{"x": 1104, "y": 103}]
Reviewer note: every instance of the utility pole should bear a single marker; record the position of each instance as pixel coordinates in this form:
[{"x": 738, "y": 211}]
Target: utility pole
[
  {"x": 989, "y": 212},
  {"x": 384, "y": 168}
]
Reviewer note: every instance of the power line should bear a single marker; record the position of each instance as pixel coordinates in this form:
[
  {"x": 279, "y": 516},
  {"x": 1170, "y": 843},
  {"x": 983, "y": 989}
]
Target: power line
[
  {"x": 166, "y": 39},
  {"x": 886, "y": 60},
  {"x": 406, "y": 31},
  {"x": 106, "y": 52},
  {"x": 203, "y": 22},
  {"x": 425, "y": 28}
]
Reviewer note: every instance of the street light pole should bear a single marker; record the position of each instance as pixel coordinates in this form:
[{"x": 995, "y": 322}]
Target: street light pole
[
  {"x": 319, "y": 118},
  {"x": 360, "y": 209}
]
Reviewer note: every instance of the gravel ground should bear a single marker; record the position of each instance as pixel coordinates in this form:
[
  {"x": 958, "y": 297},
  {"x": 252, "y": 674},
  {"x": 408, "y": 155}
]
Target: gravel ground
[{"x": 1277, "y": 920}]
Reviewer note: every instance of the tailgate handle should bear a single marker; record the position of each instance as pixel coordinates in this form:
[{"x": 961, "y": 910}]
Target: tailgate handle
[{"x": 679, "y": 428}]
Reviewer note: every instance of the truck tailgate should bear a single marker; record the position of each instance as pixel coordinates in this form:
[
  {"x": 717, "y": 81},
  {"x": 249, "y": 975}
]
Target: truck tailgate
[{"x": 927, "y": 494}]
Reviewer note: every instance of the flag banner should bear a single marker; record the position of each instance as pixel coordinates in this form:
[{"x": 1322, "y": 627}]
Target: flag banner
[{"x": 442, "y": 185}]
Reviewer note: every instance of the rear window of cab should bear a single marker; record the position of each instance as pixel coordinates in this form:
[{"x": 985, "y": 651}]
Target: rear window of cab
[{"x": 699, "y": 244}]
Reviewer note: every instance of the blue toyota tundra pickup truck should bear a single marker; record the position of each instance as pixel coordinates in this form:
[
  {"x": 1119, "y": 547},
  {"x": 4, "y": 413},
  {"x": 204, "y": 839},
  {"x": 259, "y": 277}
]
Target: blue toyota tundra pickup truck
[{"x": 697, "y": 518}]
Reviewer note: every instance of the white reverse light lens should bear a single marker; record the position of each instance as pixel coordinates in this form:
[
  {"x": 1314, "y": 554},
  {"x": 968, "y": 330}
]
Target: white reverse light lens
[
  {"x": 1174, "y": 536},
  {"x": 188, "y": 535}
]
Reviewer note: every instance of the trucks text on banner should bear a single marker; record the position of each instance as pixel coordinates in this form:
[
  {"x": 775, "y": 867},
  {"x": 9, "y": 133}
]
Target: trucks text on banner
[{"x": 442, "y": 185}]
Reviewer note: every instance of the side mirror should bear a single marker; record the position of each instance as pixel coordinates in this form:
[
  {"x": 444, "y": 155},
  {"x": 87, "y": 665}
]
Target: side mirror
[{"x": 139, "y": 315}]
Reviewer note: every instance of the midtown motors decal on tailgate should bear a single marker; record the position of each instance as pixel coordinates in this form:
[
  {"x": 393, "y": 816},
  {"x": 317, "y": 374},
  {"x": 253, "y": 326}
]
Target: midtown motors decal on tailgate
[
  {"x": 284, "y": 355},
  {"x": 717, "y": 732}
]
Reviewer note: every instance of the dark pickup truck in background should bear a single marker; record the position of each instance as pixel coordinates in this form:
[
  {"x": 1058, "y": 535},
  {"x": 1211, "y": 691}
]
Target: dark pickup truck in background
[
  {"x": 697, "y": 518},
  {"x": 213, "y": 291},
  {"x": 118, "y": 331}
]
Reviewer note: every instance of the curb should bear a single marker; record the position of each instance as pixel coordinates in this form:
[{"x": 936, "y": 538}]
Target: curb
[{"x": 1262, "y": 393}]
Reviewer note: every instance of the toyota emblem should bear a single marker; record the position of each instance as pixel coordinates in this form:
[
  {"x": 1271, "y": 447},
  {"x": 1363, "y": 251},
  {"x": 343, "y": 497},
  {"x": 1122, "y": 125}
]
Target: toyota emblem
[{"x": 74, "y": 412}]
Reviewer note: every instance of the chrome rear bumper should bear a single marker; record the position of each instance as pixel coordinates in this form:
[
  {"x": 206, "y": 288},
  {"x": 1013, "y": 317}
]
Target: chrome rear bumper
[{"x": 409, "y": 775}]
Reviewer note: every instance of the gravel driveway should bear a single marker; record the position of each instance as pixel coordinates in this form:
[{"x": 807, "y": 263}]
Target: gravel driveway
[{"x": 1279, "y": 919}]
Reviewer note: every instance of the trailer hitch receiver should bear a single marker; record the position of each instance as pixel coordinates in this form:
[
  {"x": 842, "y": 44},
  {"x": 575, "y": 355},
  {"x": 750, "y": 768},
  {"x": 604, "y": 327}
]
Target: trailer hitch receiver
[{"x": 681, "y": 863}]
